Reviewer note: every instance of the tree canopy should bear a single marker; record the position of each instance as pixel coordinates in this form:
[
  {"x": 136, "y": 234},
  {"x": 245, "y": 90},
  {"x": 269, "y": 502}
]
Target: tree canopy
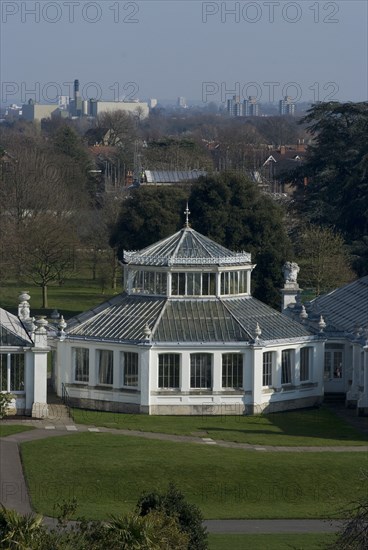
[
  {"x": 337, "y": 168},
  {"x": 227, "y": 208}
]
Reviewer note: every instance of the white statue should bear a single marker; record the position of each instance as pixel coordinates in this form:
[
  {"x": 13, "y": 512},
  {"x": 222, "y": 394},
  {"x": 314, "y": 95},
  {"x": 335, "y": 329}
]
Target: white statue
[{"x": 290, "y": 271}]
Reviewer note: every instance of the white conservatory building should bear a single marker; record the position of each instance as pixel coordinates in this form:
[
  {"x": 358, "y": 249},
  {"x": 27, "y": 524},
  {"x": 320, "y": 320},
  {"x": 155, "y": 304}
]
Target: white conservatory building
[
  {"x": 345, "y": 314},
  {"x": 23, "y": 360},
  {"x": 187, "y": 337}
]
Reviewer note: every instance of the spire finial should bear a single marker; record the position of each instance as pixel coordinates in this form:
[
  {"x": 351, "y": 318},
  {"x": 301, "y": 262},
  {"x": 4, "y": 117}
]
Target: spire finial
[{"x": 186, "y": 212}]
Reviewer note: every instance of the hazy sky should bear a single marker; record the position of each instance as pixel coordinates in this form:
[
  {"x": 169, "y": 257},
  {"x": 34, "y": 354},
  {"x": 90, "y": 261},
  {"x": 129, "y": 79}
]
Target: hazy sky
[{"x": 165, "y": 49}]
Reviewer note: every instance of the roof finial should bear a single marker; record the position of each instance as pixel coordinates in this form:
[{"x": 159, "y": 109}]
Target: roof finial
[{"x": 186, "y": 212}]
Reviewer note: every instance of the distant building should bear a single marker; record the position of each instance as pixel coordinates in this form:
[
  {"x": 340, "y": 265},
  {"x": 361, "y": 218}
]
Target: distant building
[
  {"x": 135, "y": 107},
  {"x": 171, "y": 177},
  {"x": 249, "y": 107},
  {"x": 181, "y": 102},
  {"x": 32, "y": 111},
  {"x": 152, "y": 103},
  {"x": 286, "y": 106}
]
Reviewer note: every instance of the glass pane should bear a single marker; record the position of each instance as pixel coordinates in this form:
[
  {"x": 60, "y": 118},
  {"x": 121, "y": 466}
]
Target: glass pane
[
  {"x": 337, "y": 364},
  {"x": 3, "y": 372},
  {"x": 17, "y": 372}
]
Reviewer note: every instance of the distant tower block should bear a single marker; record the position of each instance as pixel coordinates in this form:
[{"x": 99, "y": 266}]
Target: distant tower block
[{"x": 77, "y": 100}]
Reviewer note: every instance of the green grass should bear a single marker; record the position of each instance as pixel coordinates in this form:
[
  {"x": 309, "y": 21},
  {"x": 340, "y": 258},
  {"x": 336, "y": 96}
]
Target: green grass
[
  {"x": 107, "y": 474},
  {"x": 11, "y": 429},
  {"x": 310, "y": 541},
  {"x": 307, "y": 427},
  {"x": 73, "y": 297}
]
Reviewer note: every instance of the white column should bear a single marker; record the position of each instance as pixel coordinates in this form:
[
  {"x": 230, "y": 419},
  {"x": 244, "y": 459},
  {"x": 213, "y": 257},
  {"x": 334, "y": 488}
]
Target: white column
[
  {"x": 296, "y": 376},
  {"x": 29, "y": 378},
  {"x": 257, "y": 374},
  {"x": 145, "y": 357},
  {"x": 353, "y": 392},
  {"x": 249, "y": 282},
  {"x": 93, "y": 367},
  {"x": 217, "y": 371},
  {"x": 169, "y": 281},
  {"x": 363, "y": 401},
  {"x": 117, "y": 372},
  {"x": 40, "y": 351},
  {"x": 247, "y": 370},
  {"x": 218, "y": 284},
  {"x": 185, "y": 371},
  {"x": 277, "y": 370}
]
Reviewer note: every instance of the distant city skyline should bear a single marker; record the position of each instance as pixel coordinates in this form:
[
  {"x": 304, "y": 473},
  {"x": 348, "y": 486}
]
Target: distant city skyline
[{"x": 203, "y": 51}]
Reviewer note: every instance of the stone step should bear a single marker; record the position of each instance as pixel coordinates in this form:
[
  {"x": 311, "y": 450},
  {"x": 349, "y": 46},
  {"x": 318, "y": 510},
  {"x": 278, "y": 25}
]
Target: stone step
[{"x": 57, "y": 412}]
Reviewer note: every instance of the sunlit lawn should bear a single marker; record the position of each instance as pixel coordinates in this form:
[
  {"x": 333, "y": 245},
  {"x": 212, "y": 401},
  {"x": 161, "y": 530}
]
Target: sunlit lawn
[
  {"x": 73, "y": 297},
  {"x": 10, "y": 429},
  {"x": 308, "y": 427},
  {"x": 107, "y": 474},
  {"x": 310, "y": 541}
]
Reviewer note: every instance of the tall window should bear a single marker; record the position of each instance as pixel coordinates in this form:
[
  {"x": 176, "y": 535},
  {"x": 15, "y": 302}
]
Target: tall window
[
  {"x": 286, "y": 365},
  {"x": 81, "y": 364},
  {"x": 201, "y": 370},
  {"x": 232, "y": 370},
  {"x": 130, "y": 366},
  {"x": 193, "y": 284},
  {"x": 11, "y": 372},
  {"x": 267, "y": 369},
  {"x": 169, "y": 370},
  {"x": 233, "y": 282},
  {"x": 305, "y": 364},
  {"x": 334, "y": 354},
  {"x": 148, "y": 282},
  {"x": 105, "y": 363}
]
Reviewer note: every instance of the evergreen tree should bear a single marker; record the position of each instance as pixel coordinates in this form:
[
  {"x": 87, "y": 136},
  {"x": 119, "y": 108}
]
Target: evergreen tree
[{"x": 337, "y": 168}]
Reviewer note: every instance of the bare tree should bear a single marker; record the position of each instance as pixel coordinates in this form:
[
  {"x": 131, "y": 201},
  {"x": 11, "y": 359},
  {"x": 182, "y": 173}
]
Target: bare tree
[
  {"x": 323, "y": 259},
  {"x": 48, "y": 248}
]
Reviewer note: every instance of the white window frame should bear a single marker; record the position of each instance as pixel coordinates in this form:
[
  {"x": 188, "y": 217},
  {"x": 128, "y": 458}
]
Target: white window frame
[
  {"x": 125, "y": 359},
  {"x": 9, "y": 367},
  {"x": 267, "y": 368},
  {"x": 232, "y": 362},
  {"x": 75, "y": 352},
  {"x": 203, "y": 362},
  {"x": 308, "y": 365},
  {"x": 165, "y": 359},
  {"x": 110, "y": 367},
  {"x": 287, "y": 366}
]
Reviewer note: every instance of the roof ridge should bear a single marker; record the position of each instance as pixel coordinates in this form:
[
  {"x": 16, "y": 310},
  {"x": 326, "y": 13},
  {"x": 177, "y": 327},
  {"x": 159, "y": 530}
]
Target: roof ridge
[{"x": 235, "y": 319}]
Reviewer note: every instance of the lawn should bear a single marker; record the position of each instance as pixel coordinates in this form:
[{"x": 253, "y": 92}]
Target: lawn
[
  {"x": 107, "y": 474},
  {"x": 10, "y": 429},
  {"x": 307, "y": 427},
  {"x": 73, "y": 297},
  {"x": 311, "y": 541}
]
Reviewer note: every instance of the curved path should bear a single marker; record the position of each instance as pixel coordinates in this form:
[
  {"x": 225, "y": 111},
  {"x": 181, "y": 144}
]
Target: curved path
[{"x": 14, "y": 492}]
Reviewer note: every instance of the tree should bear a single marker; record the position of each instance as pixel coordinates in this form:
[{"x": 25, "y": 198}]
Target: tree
[
  {"x": 227, "y": 208},
  {"x": 354, "y": 532},
  {"x": 323, "y": 259},
  {"x": 337, "y": 168},
  {"x": 148, "y": 215},
  {"x": 231, "y": 210},
  {"x": 173, "y": 504},
  {"x": 121, "y": 128},
  {"x": 47, "y": 247}
]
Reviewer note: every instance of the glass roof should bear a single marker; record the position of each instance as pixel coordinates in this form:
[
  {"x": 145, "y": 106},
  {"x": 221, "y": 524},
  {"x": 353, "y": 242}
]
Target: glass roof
[
  {"x": 12, "y": 332},
  {"x": 184, "y": 320},
  {"x": 186, "y": 247}
]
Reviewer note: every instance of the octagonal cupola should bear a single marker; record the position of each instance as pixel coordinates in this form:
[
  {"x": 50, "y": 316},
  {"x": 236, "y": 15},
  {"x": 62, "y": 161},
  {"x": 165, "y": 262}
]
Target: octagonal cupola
[{"x": 187, "y": 264}]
